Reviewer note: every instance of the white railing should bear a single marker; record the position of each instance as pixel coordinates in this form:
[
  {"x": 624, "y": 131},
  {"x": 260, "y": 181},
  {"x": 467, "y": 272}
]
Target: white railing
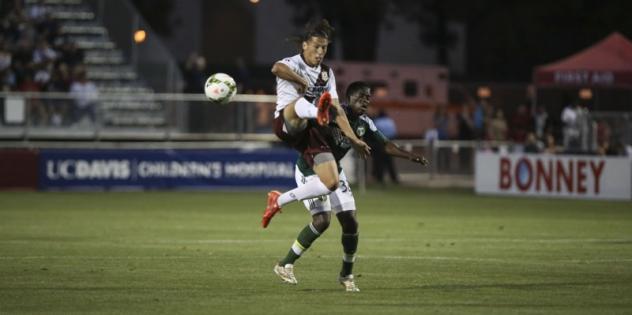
[{"x": 133, "y": 116}]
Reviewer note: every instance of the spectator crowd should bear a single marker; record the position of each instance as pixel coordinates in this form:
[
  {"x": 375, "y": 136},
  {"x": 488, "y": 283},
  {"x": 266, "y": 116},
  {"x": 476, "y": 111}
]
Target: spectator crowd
[
  {"x": 36, "y": 57},
  {"x": 530, "y": 130}
]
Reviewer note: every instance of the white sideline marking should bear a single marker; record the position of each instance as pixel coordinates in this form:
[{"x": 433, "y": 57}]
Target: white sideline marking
[
  {"x": 526, "y": 240},
  {"x": 219, "y": 241},
  {"x": 507, "y": 240},
  {"x": 434, "y": 258},
  {"x": 498, "y": 260},
  {"x": 387, "y": 257},
  {"x": 254, "y": 241},
  {"x": 156, "y": 242},
  {"x": 595, "y": 261},
  {"x": 98, "y": 257}
]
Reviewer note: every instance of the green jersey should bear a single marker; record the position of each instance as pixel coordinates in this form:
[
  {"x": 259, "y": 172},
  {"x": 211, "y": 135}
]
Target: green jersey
[{"x": 361, "y": 125}]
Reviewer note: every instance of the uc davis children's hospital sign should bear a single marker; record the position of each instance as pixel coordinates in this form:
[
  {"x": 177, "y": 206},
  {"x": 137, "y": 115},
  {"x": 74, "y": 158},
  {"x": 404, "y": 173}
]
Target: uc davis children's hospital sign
[
  {"x": 570, "y": 176},
  {"x": 154, "y": 168}
]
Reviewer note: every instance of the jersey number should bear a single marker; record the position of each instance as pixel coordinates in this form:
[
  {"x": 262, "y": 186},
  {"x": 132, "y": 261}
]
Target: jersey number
[{"x": 344, "y": 187}]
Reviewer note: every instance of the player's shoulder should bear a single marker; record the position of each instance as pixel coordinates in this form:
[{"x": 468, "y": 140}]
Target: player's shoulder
[
  {"x": 368, "y": 121},
  {"x": 292, "y": 60}
]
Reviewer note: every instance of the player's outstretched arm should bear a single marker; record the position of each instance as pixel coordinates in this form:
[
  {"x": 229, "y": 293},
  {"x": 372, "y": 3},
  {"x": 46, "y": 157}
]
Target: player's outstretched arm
[
  {"x": 394, "y": 150},
  {"x": 341, "y": 119},
  {"x": 284, "y": 72}
]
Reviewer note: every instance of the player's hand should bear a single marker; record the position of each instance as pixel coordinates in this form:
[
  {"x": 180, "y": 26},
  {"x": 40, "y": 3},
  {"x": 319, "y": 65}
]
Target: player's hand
[
  {"x": 420, "y": 159},
  {"x": 363, "y": 149},
  {"x": 301, "y": 87}
]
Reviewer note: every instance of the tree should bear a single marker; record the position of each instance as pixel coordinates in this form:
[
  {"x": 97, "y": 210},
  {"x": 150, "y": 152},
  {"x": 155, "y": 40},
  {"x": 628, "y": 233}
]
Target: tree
[
  {"x": 506, "y": 39},
  {"x": 158, "y": 14},
  {"x": 357, "y": 23},
  {"x": 433, "y": 17}
]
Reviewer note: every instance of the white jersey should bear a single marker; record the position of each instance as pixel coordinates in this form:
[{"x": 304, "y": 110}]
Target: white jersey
[{"x": 320, "y": 79}]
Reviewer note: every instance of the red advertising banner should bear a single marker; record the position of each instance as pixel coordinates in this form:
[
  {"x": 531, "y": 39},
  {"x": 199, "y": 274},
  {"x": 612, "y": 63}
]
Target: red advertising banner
[{"x": 18, "y": 168}]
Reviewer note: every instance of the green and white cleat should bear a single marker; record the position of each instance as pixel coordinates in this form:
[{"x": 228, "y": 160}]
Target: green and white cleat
[
  {"x": 286, "y": 273},
  {"x": 348, "y": 283}
]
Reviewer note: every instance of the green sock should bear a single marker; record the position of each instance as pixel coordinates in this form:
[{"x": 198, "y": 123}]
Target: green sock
[
  {"x": 304, "y": 240},
  {"x": 349, "y": 246}
]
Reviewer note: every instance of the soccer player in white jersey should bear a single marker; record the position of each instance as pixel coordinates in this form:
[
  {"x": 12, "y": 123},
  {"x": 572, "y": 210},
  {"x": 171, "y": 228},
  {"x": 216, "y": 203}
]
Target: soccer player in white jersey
[
  {"x": 306, "y": 91},
  {"x": 341, "y": 201}
]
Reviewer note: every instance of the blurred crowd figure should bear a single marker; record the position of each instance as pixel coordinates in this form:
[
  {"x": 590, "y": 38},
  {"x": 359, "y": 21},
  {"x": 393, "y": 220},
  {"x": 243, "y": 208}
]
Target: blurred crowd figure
[
  {"x": 264, "y": 114},
  {"x": 542, "y": 123},
  {"x": 465, "y": 123},
  {"x": 481, "y": 108},
  {"x": 441, "y": 123},
  {"x": 604, "y": 134},
  {"x": 383, "y": 162},
  {"x": 521, "y": 122},
  {"x": 35, "y": 57},
  {"x": 576, "y": 127},
  {"x": 497, "y": 130},
  {"x": 85, "y": 94},
  {"x": 195, "y": 73}
]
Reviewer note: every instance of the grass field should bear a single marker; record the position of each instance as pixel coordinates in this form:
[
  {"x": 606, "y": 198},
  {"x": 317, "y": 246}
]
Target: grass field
[{"x": 421, "y": 251}]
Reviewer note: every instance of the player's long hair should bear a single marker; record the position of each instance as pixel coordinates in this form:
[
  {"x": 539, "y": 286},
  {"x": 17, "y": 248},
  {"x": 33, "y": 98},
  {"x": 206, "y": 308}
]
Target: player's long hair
[{"x": 314, "y": 28}]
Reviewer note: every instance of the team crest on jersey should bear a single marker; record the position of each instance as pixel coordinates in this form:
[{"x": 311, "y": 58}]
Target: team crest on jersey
[
  {"x": 324, "y": 76},
  {"x": 360, "y": 131}
]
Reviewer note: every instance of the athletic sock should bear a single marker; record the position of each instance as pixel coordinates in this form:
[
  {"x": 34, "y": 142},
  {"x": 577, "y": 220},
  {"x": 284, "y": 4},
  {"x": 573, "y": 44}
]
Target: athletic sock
[
  {"x": 305, "y": 109},
  {"x": 349, "y": 246},
  {"x": 304, "y": 240},
  {"x": 311, "y": 189}
]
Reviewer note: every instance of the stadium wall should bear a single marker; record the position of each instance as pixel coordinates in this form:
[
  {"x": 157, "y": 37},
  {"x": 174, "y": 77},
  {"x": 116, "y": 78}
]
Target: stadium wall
[
  {"x": 69, "y": 169},
  {"x": 568, "y": 176}
]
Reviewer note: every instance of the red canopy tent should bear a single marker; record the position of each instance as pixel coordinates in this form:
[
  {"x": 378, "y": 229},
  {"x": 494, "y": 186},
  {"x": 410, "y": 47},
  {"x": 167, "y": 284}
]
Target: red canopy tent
[{"x": 607, "y": 63}]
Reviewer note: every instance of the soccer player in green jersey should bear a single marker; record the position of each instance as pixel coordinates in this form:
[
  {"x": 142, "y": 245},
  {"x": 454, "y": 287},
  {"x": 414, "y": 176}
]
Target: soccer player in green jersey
[{"x": 340, "y": 201}]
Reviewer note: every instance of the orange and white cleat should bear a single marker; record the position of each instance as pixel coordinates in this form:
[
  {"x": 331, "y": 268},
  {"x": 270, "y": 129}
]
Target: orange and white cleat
[
  {"x": 271, "y": 209},
  {"x": 324, "y": 103}
]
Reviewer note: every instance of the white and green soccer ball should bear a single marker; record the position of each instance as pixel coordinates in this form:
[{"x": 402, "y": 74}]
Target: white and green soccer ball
[{"x": 220, "y": 88}]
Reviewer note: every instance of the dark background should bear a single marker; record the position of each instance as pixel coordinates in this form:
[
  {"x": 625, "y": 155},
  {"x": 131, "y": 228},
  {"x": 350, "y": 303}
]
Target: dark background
[{"x": 504, "y": 39}]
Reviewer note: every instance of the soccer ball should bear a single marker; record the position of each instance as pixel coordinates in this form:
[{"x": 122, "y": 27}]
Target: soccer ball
[{"x": 220, "y": 88}]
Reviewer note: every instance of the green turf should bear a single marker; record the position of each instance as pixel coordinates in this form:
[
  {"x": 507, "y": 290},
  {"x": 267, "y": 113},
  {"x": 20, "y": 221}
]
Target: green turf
[{"x": 421, "y": 251}]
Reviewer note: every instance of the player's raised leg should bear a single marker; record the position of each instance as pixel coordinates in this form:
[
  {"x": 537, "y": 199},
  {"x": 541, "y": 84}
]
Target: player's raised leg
[
  {"x": 324, "y": 104},
  {"x": 296, "y": 113},
  {"x": 272, "y": 207},
  {"x": 327, "y": 181}
]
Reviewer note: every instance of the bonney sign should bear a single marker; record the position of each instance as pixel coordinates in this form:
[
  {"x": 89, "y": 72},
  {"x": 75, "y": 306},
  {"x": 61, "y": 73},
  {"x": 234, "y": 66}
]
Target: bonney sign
[{"x": 590, "y": 177}]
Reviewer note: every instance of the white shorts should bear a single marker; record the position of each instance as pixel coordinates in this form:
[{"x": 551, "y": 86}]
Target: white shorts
[{"x": 339, "y": 200}]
